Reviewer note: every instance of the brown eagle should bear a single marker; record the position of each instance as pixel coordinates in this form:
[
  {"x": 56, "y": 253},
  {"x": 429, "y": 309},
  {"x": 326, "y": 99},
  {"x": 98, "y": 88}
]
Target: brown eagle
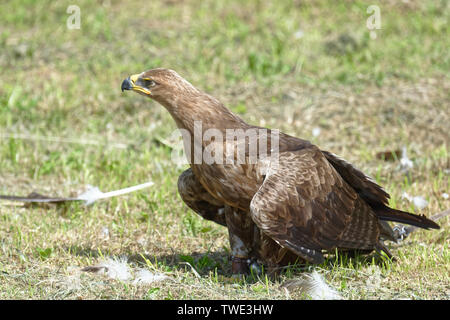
[{"x": 285, "y": 202}]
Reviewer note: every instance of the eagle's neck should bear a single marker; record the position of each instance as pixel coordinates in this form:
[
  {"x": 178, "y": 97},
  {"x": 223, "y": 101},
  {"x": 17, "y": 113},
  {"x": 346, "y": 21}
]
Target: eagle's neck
[{"x": 200, "y": 109}]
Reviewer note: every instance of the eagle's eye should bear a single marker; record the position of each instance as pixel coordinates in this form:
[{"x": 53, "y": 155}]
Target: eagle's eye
[{"x": 148, "y": 83}]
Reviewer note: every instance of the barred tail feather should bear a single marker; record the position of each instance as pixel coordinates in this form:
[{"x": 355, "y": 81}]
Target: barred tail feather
[{"x": 420, "y": 221}]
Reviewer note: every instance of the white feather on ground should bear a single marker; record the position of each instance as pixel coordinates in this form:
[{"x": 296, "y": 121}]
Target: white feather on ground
[
  {"x": 316, "y": 132},
  {"x": 115, "y": 268},
  {"x": 105, "y": 233},
  {"x": 405, "y": 163},
  {"x": 312, "y": 285},
  {"x": 119, "y": 269},
  {"x": 418, "y": 201},
  {"x": 93, "y": 194},
  {"x": 145, "y": 276}
]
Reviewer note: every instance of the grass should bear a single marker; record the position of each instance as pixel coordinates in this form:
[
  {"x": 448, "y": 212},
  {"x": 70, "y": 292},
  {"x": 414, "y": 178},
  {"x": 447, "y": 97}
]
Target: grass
[{"x": 292, "y": 65}]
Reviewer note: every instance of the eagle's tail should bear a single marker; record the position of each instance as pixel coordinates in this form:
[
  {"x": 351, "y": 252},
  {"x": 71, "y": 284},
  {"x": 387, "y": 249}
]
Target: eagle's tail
[{"x": 420, "y": 221}]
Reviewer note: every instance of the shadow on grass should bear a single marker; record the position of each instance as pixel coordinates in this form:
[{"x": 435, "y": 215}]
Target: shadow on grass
[
  {"x": 203, "y": 263},
  {"x": 219, "y": 263}
]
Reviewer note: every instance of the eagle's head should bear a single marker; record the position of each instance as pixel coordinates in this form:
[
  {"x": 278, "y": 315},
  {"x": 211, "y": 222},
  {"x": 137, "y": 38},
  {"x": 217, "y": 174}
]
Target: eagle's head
[{"x": 162, "y": 85}]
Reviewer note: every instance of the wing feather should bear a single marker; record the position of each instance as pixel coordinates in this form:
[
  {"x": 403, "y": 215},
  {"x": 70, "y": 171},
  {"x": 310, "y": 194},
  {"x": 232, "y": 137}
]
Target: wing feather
[
  {"x": 306, "y": 206},
  {"x": 364, "y": 185}
]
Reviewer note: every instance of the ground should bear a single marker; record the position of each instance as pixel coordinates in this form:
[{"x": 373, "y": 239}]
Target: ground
[{"x": 299, "y": 66}]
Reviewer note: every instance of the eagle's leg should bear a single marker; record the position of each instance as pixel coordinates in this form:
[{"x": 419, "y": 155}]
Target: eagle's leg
[
  {"x": 198, "y": 199},
  {"x": 240, "y": 225},
  {"x": 241, "y": 233},
  {"x": 275, "y": 257}
]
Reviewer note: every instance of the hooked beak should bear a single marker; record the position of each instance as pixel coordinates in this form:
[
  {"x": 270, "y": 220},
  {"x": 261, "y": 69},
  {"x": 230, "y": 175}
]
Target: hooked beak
[
  {"x": 127, "y": 84},
  {"x": 132, "y": 83}
]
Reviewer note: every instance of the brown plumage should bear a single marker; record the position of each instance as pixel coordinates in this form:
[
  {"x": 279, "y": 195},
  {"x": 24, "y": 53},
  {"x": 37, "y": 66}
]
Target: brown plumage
[{"x": 309, "y": 202}]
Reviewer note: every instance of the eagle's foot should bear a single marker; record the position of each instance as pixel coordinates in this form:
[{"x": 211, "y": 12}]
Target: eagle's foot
[
  {"x": 245, "y": 266},
  {"x": 240, "y": 265},
  {"x": 255, "y": 268}
]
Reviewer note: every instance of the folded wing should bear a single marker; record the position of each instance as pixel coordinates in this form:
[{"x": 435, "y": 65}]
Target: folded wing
[{"x": 306, "y": 206}]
